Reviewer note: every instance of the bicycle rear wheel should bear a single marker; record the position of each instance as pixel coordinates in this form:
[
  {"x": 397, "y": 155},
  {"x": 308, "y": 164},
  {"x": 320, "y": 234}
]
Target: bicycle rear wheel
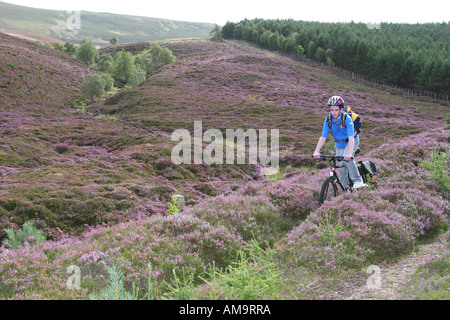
[{"x": 329, "y": 190}]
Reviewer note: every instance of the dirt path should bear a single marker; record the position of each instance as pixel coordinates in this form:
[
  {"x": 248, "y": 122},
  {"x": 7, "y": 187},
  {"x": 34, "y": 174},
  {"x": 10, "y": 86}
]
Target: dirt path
[{"x": 395, "y": 274}]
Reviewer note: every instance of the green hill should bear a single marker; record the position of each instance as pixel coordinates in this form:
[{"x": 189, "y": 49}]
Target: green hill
[{"x": 98, "y": 27}]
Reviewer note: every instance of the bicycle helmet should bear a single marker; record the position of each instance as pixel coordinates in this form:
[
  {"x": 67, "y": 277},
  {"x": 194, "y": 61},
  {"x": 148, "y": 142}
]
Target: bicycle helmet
[{"x": 336, "y": 101}]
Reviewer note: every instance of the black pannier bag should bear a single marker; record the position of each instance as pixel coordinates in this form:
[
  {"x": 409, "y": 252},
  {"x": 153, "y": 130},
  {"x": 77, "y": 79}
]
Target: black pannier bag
[{"x": 367, "y": 169}]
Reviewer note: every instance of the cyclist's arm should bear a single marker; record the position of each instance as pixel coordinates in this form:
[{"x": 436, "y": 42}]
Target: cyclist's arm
[
  {"x": 319, "y": 147},
  {"x": 351, "y": 145},
  {"x": 323, "y": 138}
]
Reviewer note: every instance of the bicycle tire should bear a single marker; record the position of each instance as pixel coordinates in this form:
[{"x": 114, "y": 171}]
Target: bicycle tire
[{"x": 325, "y": 191}]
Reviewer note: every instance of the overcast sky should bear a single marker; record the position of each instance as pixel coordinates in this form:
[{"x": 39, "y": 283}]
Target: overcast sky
[{"x": 235, "y": 10}]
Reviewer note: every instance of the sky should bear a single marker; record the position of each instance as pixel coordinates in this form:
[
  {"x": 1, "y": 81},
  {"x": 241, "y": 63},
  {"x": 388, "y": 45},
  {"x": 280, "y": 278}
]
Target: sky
[{"x": 374, "y": 11}]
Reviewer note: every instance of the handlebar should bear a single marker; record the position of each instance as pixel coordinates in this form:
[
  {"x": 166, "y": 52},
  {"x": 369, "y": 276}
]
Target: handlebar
[{"x": 337, "y": 158}]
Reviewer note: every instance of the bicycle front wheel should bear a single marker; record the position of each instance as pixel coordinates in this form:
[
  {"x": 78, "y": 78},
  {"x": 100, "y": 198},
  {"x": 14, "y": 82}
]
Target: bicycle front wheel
[{"x": 329, "y": 190}]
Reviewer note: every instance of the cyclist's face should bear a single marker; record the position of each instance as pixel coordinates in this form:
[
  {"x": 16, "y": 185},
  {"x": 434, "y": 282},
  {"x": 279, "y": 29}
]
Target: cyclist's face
[{"x": 335, "y": 111}]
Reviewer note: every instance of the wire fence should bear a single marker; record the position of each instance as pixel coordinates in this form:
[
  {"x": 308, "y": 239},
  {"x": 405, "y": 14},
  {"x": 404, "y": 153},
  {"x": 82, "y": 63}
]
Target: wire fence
[
  {"x": 426, "y": 95},
  {"x": 371, "y": 80}
]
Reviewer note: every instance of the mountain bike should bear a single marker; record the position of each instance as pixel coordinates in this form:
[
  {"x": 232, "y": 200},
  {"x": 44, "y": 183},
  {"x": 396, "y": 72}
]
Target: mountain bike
[{"x": 332, "y": 185}]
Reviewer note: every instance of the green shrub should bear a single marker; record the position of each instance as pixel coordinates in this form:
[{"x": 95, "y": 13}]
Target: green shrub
[
  {"x": 109, "y": 81},
  {"x": 116, "y": 289},
  {"x": 93, "y": 86},
  {"x": 182, "y": 287},
  {"x": 87, "y": 52},
  {"x": 437, "y": 166},
  {"x": 253, "y": 276},
  {"x": 28, "y": 233},
  {"x": 175, "y": 205},
  {"x": 104, "y": 63}
]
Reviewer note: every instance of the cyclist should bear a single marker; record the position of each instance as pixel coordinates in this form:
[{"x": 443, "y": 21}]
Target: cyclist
[{"x": 346, "y": 144}]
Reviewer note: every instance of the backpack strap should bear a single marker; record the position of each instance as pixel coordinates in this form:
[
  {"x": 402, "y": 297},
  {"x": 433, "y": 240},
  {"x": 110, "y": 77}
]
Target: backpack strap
[
  {"x": 343, "y": 119},
  {"x": 344, "y": 116},
  {"x": 329, "y": 120}
]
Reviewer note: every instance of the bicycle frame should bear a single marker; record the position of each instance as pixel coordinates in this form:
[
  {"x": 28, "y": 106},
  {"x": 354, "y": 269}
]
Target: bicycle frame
[
  {"x": 333, "y": 160},
  {"x": 333, "y": 180}
]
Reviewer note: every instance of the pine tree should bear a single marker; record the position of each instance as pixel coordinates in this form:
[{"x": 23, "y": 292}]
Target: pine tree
[
  {"x": 320, "y": 55},
  {"x": 216, "y": 34},
  {"x": 29, "y": 233},
  {"x": 311, "y": 50},
  {"x": 329, "y": 56},
  {"x": 123, "y": 67},
  {"x": 104, "y": 63},
  {"x": 116, "y": 288},
  {"x": 273, "y": 40},
  {"x": 228, "y": 30}
]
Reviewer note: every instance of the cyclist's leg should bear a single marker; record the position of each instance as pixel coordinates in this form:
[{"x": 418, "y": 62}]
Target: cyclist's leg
[
  {"x": 353, "y": 169},
  {"x": 342, "y": 172}
]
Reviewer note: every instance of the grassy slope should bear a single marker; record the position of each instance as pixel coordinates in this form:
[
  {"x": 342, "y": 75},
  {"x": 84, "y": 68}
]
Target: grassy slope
[
  {"x": 98, "y": 27},
  {"x": 65, "y": 169},
  {"x": 233, "y": 85}
]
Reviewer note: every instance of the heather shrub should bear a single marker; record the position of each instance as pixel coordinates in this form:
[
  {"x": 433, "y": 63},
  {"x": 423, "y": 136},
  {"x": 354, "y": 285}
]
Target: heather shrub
[
  {"x": 406, "y": 154},
  {"x": 292, "y": 200},
  {"x": 252, "y": 188},
  {"x": 211, "y": 243},
  {"x": 26, "y": 273},
  {"x": 426, "y": 213},
  {"x": 320, "y": 248},
  {"x": 247, "y": 216},
  {"x": 168, "y": 243},
  {"x": 61, "y": 148},
  {"x": 345, "y": 234}
]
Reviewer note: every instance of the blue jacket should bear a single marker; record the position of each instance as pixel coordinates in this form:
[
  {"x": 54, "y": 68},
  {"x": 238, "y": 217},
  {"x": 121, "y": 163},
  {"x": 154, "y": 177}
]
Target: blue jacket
[{"x": 340, "y": 133}]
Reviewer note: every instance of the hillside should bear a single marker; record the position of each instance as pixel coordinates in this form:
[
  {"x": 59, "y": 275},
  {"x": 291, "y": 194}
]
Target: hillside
[
  {"x": 412, "y": 56},
  {"x": 57, "y": 162},
  {"x": 234, "y": 85},
  {"x": 97, "y": 181},
  {"x": 97, "y": 27}
]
